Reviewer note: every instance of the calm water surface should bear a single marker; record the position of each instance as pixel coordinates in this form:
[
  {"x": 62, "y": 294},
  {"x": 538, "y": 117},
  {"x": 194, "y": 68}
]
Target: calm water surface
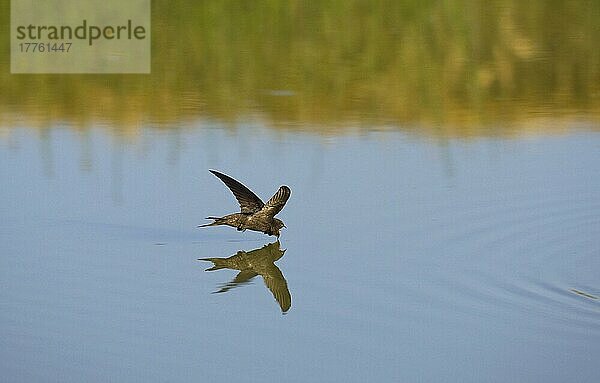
[{"x": 405, "y": 258}]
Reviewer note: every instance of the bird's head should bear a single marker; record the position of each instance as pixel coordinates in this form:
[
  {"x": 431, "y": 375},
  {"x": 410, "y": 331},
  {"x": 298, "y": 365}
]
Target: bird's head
[{"x": 276, "y": 226}]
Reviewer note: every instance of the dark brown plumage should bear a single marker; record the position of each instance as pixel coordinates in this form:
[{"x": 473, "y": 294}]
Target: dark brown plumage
[
  {"x": 254, "y": 213},
  {"x": 253, "y": 263}
]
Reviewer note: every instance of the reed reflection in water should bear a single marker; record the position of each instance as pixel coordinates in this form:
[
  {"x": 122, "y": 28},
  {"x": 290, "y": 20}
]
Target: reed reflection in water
[
  {"x": 255, "y": 262},
  {"x": 441, "y": 69}
]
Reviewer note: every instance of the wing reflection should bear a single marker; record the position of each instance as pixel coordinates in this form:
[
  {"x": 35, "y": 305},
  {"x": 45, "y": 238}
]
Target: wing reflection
[{"x": 256, "y": 262}]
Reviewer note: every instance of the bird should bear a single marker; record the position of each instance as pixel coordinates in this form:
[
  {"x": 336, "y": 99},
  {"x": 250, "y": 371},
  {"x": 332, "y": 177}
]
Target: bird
[
  {"x": 254, "y": 213},
  {"x": 256, "y": 262}
]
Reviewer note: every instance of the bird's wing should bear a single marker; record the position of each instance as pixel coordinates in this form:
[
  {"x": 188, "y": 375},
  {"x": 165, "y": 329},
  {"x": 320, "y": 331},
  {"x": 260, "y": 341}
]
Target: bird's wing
[
  {"x": 277, "y": 202},
  {"x": 275, "y": 281},
  {"x": 243, "y": 277},
  {"x": 249, "y": 202}
]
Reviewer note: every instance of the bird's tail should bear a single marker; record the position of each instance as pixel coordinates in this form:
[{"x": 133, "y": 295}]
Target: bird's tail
[
  {"x": 218, "y": 263},
  {"x": 217, "y": 221}
]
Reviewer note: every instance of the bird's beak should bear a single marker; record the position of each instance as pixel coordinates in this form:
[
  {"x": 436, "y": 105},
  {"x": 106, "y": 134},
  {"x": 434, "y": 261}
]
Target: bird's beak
[{"x": 284, "y": 226}]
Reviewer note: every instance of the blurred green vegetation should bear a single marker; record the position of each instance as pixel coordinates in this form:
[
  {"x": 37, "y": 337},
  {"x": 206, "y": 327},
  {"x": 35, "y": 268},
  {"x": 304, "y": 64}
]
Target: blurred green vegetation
[{"x": 452, "y": 68}]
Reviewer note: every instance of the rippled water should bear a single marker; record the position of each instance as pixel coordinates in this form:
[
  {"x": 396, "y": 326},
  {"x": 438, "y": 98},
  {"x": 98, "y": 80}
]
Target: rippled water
[{"x": 406, "y": 258}]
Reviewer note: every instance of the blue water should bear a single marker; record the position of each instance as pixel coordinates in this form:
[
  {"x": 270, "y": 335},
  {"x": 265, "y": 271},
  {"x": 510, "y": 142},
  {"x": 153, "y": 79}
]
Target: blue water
[{"x": 408, "y": 258}]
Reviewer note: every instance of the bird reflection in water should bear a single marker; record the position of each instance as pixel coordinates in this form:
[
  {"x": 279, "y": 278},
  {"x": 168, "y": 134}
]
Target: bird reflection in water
[{"x": 253, "y": 263}]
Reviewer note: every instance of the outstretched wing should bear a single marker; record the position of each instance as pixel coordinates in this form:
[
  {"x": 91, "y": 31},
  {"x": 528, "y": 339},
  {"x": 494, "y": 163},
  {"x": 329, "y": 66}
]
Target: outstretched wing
[
  {"x": 249, "y": 202},
  {"x": 277, "y": 202},
  {"x": 276, "y": 283},
  {"x": 243, "y": 277}
]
